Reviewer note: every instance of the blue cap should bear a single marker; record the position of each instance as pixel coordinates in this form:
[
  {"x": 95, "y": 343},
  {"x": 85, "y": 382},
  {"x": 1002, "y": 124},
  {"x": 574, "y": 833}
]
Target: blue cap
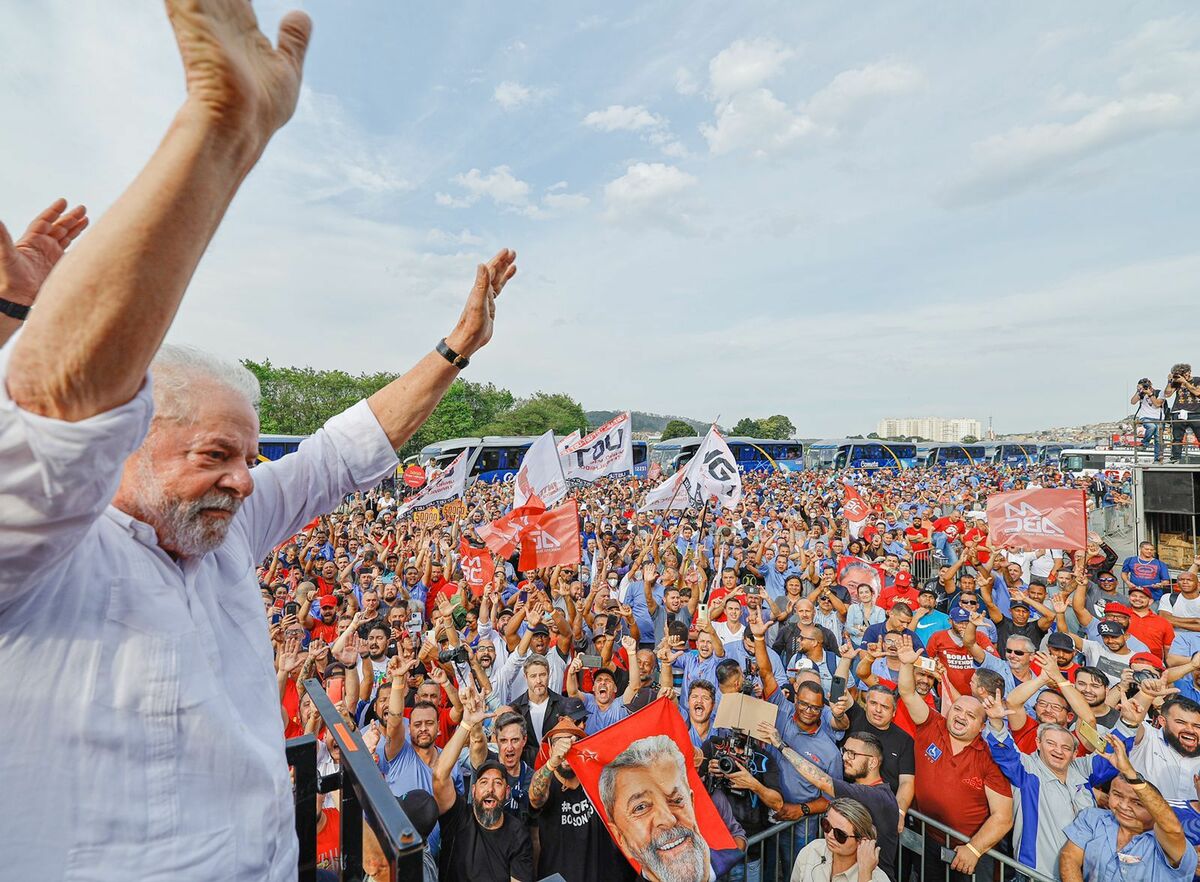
[{"x": 959, "y": 614}]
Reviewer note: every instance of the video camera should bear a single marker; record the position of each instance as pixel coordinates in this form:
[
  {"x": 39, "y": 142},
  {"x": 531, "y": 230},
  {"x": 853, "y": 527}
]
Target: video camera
[{"x": 728, "y": 755}]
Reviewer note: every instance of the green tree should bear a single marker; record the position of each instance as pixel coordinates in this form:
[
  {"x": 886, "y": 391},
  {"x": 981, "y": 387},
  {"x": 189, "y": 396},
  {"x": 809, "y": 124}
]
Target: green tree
[
  {"x": 539, "y": 412},
  {"x": 677, "y": 429},
  {"x": 872, "y": 435},
  {"x": 777, "y": 426},
  {"x": 747, "y": 426},
  {"x": 970, "y": 439}
]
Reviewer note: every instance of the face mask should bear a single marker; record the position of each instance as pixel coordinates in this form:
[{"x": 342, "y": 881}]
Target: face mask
[{"x": 612, "y": 582}]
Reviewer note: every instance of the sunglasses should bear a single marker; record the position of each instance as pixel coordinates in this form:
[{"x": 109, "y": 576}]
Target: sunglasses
[{"x": 839, "y": 836}]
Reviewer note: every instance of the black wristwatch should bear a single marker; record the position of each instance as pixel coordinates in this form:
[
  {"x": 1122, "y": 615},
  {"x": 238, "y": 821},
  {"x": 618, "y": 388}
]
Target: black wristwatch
[
  {"x": 13, "y": 310},
  {"x": 459, "y": 361},
  {"x": 1137, "y": 779}
]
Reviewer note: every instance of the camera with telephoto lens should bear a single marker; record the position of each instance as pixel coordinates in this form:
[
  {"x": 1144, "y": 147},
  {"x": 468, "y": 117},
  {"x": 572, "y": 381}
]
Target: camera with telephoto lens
[
  {"x": 749, "y": 672},
  {"x": 728, "y": 756},
  {"x": 456, "y": 656}
]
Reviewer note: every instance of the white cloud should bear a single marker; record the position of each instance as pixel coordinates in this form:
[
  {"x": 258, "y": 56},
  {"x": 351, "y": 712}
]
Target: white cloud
[
  {"x": 653, "y": 194},
  {"x": 746, "y": 64},
  {"x": 565, "y": 201},
  {"x": 443, "y": 238},
  {"x": 756, "y": 121},
  {"x": 1006, "y": 163},
  {"x": 852, "y": 92},
  {"x": 500, "y": 185},
  {"x": 617, "y": 117},
  {"x": 510, "y": 95}
]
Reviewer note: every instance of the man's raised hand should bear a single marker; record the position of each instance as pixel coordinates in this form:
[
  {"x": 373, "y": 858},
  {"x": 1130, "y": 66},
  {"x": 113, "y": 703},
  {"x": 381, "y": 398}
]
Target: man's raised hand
[
  {"x": 474, "y": 328},
  {"x": 235, "y": 78},
  {"x": 24, "y": 264}
]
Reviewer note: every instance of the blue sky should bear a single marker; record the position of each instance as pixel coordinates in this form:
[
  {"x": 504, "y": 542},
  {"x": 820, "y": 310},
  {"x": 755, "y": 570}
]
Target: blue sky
[{"x": 734, "y": 209}]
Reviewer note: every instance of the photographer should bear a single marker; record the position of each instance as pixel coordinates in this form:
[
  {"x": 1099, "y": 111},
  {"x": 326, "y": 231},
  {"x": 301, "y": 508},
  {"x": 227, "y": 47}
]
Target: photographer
[
  {"x": 1185, "y": 409},
  {"x": 1149, "y": 413}
]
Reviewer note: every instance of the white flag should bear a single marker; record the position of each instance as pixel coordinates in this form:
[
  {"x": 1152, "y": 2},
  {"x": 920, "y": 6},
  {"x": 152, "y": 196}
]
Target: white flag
[
  {"x": 540, "y": 474},
  {"x": 711, "y": 472},
  {"x": 606, "y": 451},
  {"x": 450, "y": 483},
  {"x": 567, "y": 443}
]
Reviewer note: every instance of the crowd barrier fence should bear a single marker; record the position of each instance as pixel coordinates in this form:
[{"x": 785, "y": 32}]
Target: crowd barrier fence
[
  {"x": 364, "y": 793},
  {"x": 777, "y": 842}
]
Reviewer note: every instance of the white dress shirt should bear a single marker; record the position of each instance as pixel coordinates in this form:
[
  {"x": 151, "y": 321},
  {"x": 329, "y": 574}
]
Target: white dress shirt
[
  {"x": 142, "y": 719},
  {"x": 1163, "y": 766}
]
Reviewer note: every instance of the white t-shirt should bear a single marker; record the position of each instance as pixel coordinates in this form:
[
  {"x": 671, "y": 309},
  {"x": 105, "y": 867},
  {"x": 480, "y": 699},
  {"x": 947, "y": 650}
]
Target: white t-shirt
[
  {"x": 728, "y": 636},
  {"x": 537, "y": 714},
  {"x": 1100, "y": 656},
  {"x": 1178, "y": 605},
  {"x": 1043, "y": 562}
]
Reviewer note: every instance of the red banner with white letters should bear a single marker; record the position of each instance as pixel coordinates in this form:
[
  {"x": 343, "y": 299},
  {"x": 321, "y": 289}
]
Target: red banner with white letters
[
  {"x": 1038, "y": 519},
  {"x": 552, "y": 539},
  {"x": 477, "y": 566}
]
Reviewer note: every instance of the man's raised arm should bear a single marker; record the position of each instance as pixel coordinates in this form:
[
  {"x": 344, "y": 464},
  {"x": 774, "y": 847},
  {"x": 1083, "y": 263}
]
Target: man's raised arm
[{"x": 104, "y": 311}]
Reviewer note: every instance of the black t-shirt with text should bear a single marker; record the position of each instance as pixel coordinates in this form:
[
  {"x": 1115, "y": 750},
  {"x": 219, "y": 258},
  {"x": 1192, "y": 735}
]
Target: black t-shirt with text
[
  {"x": 897, "y": 744},
  {"x": 574, "y": 840}
]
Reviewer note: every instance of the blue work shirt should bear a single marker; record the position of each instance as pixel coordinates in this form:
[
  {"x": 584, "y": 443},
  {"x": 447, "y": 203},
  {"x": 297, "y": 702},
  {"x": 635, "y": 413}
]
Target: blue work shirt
[
  {"x": 1141, "y": 860},
  {"x": 818, "y": 749}
]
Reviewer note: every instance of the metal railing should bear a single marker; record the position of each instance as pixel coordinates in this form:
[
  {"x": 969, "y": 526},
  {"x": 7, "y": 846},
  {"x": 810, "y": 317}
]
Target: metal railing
[
  {"x": 364, "y": 793},
  {"x": 773, "y": 852}
]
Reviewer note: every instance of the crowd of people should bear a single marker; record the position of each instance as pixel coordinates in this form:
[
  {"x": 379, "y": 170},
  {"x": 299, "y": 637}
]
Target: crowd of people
[
  {"x": 988, "y": 694},
  {"x": 1002, "y": 701}
]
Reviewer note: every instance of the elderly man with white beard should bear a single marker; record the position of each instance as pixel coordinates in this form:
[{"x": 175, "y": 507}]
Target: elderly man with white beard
[{"x": 130, "y": 522}]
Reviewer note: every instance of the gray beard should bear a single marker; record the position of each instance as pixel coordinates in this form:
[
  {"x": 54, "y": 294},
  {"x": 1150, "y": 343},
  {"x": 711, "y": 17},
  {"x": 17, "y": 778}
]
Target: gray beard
[
  {"x": 690, "y": 870},
  {"x": 487, "y": 817},
  {"x": 179, "y": 523}
]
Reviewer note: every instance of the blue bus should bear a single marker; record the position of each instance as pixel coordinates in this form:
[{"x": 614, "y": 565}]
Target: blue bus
[
  {"x": 271, "y": 447},
  {"x": 1048, "y": 454},
  {"x": 934, "y": 455},
  {"x": 860, "y": 453},
  {"x": 1011, "y": 453},
  {"x": 496, "y": 458},
  {"x": 751, "y": 454}
]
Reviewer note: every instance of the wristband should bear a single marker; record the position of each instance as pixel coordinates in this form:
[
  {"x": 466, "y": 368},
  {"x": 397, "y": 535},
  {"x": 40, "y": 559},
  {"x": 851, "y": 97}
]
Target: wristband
[
  {"x": 13, "y": 310},
  {"x": 974, "y": 850},
  {"x": 459, "y": 361}
]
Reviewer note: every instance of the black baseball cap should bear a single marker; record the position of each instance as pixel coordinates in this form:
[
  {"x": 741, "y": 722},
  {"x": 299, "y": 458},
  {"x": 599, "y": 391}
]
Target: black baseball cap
[{"x": 1059, "y": 640}]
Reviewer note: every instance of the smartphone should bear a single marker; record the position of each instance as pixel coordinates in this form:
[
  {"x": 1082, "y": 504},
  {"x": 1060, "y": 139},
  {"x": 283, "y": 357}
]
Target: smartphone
[
  {"x": 335, "y": 688},
  {"x": 1089, "y": 736},
  {"x": 276, "y": 618},
  {"x": 590, "y": 661},
  {"x": 948, "y": 855},
  {"x": 291, "y": 608},
  {"x": 927, "y": 664},
  {"x": 548, "y": 618},
  {"x": 522, "y": 596},
  {"x": 702, "y": 610},
  {"x": 837, "y": 689}
]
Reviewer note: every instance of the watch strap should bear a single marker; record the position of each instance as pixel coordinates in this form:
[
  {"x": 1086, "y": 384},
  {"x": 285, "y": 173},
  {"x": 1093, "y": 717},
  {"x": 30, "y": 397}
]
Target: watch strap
[
  {"x": 459, "y": 361},
  {"x": 13, "y": 310}
]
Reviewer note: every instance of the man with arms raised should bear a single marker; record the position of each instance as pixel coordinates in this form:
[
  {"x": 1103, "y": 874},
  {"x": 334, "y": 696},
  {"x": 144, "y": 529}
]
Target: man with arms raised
[
  {"x": 152, "y": 602},
  {"x": 957, "y": 782},
  {"x": 481, "y": 842}
]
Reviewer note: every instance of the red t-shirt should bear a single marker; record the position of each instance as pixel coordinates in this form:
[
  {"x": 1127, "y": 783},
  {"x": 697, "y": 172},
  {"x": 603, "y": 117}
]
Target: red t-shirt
[
  {"x": 324, "y": 588},
  {"x": 329, "y": 841},
  {"x": 959, "y": 663},
  {"x": 291, "y": 706},
  {"x": 328, "y": 633},
  {"x": 918, "y": 539},
  {"x": 903, "y": 719},
  {"x": 950, "y": 786},
  {"x": 892, "y": 594},
  {"x": 952, "y": 528},
  {"x": 973, "y": 534},
  {"x": 446, "y": 726},
  {"x": 445, "y": 586},
  {"x": 1156, "y": 632}
]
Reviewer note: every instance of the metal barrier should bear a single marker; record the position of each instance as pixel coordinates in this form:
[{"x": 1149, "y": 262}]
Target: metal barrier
[
  {"x": 925, "y": 565},
  {"x": 363, "y": 793},
  {"x": 777, "y": 842}
]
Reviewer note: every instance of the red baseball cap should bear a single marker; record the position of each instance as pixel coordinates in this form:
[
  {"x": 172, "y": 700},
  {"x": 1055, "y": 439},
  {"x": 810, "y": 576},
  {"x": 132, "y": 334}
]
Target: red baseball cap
[
  {"x": 904, "y": 579},
  {"x": 1118, "y": 608},
  {"x": 1147, "y": 658},
  {"x": 328, "y": 602}
]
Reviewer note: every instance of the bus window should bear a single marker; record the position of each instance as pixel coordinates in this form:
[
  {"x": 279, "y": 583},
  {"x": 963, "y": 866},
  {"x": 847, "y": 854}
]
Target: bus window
[
  {"x": 488, "y": 461},
  {"x": 639, "y": 454}
]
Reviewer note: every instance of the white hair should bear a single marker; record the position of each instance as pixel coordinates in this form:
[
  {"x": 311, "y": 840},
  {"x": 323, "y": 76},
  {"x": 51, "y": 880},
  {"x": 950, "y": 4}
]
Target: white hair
[{"x": 175, "y": 370}]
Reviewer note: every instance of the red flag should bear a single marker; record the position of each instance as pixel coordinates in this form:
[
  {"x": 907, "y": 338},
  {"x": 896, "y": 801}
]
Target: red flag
[
  {"x": 855, "y": 509},
  {"x": 477, "y": 566},
  {"x": 1038, "y": 519},
  {"x": 552, "y": 539},
  {"x": 503, "y": 534},
  {"x": 656, "y": 761}
]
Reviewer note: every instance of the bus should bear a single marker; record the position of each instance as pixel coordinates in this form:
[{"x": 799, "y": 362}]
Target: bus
[
  {"x": 272, "y": 447},
  {"x": 751, "y": 454},
  {"x": 936, "y": 455},
  {"x": 1089, "y": 461},
  {"x": 1011, "y": 453},
  {"x": 496, "y": 458},
  {"x": 1048, "y": 454},
  {"x": 860, "y": 453}
]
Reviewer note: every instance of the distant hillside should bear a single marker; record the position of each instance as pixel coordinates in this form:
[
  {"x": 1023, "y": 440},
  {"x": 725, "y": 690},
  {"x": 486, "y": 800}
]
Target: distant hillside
[{"x": 643, "y": 422}]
